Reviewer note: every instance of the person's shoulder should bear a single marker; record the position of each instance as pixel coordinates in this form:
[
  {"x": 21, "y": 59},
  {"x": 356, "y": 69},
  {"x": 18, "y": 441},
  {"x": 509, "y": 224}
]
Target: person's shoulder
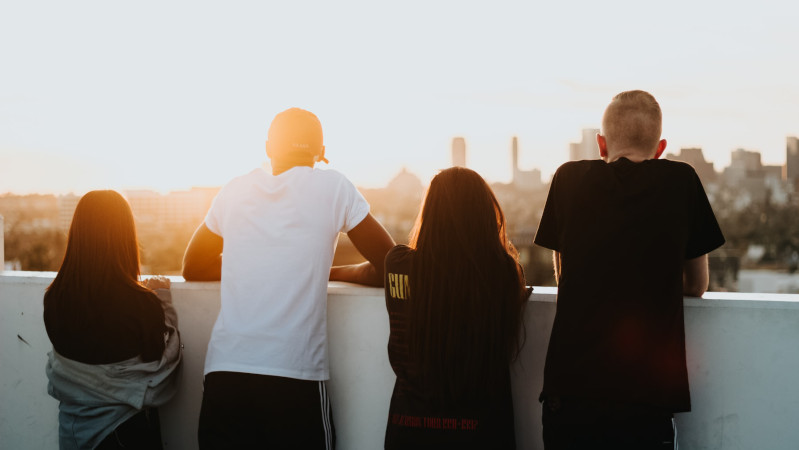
[
  {"x": 399, "y": 253},
  {"x": 576, "y": 169},
  {"x": 144, "y": 298},
  {"x": 671, "y": 164},
  {"x": 400, "y": 249},
  {"x": 47, "y": 299},
  {"x": 248, "y": 178},
  {"x": 334, "y": 184},
  {"x": 331, "y": 175},
  {"x": 581, "y": 165},
  {"x": 137, "y": 303},
  {"x": 673, "y": 169},
  {"x": 241, "y": 183}
]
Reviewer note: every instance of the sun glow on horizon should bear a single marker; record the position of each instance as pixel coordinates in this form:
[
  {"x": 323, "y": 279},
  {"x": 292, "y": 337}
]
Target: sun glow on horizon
[{"x": 89, "y": 100}]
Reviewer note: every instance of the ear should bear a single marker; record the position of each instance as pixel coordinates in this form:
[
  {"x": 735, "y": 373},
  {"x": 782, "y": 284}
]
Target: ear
[
  {"x": 661, "y": 147},
  {"x": 321, "y": 156},
  {"x": 603, "y": 146}
]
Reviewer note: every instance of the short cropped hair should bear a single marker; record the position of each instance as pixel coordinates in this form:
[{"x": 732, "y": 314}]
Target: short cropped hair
[{"x": 632, "y": 120}]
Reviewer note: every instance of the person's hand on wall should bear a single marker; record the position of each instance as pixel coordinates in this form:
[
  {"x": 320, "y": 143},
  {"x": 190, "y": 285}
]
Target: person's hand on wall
[{"x": 157, "y": 282}]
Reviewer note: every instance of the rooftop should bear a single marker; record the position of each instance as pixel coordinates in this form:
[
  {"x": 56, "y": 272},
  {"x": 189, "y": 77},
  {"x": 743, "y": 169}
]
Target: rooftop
[{"x": 742, "y": 362}]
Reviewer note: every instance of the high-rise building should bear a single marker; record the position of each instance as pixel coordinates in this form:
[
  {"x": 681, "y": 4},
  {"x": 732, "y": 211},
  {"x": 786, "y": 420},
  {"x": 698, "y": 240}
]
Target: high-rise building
[
  {"x": 523, "y": 179},
  {"x": 792, "y": 161},
  {"x": 585, "y": 149},
  {"x": 458, "y": 152},
  {"x": 743, "y": 164},
  {"x": 694, "y": 157},
  {"x": 754, "y": 182}
]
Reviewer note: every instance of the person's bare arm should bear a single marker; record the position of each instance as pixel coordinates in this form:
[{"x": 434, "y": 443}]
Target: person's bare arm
[
  {"x": 373, "y": 242},
  {"x": 695, "y": 276},
  {"x": 203, "y": 258},
  {"x": 556, "y": 263}
]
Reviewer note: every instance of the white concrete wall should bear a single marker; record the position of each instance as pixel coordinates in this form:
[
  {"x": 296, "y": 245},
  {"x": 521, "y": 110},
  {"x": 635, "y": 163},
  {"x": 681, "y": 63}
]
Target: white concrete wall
[
  {"x": 742, "y": 349},
  {"x": 2, "y": 244}
]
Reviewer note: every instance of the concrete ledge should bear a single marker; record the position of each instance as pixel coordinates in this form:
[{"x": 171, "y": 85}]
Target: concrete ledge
[{"x": 742, "y": 351}]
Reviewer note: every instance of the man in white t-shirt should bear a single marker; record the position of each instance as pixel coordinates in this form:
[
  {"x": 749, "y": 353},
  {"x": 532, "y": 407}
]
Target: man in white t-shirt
[{"x": 267, "y": 358}]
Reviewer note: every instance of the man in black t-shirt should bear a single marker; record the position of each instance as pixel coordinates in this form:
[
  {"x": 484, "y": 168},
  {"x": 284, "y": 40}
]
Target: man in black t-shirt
[{"x": 630, "y": 235}]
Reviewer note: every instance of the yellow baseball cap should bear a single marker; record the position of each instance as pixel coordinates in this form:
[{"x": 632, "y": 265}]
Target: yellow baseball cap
[{"x": 296, "y": 130}]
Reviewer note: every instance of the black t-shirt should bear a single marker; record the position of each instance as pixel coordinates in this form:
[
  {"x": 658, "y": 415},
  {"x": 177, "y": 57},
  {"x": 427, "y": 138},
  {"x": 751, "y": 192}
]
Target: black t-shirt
[
  {"x": 413, "y": 423},
  {"x": 128, "y": 323},
  {"x": 624, "y": 231}
]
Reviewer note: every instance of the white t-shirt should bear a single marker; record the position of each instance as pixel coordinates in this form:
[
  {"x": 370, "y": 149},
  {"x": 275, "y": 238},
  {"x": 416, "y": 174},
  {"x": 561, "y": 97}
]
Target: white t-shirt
[{"x": 280, "y": 233}]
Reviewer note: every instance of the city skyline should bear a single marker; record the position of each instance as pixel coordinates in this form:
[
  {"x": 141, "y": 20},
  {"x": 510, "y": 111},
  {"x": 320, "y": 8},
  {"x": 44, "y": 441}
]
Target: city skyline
[
  {"x": 460, "y": 157},
  {"x": 167, "y": 97}
]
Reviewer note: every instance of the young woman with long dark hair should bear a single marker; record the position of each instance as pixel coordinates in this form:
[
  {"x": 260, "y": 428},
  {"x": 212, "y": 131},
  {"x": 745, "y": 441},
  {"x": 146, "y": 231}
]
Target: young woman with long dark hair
[
  {"x": 115, "y": 340},
  {"x": 455, "y": 297}
]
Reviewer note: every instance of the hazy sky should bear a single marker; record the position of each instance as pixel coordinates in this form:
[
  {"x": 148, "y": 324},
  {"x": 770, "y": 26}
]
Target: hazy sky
[{"x": 169, "y": 95}]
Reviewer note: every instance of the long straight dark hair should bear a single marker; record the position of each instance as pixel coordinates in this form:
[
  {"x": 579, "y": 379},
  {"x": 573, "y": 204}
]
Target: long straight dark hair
[
  {"x": 102, "y": 254},
  {"x": 467, "y": 289}
]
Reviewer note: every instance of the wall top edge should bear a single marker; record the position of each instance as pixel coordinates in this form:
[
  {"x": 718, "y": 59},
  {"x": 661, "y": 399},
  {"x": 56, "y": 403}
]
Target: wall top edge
[{"x": 540, "y": 293}]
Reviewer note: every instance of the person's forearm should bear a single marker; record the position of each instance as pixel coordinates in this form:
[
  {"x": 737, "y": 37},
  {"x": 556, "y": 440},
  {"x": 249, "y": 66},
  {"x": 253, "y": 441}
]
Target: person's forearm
[
  {"x": 695, "y": 276},
  {"x": 694, "y": 288},
  {"x": 203, "y": 258},
  {"x": 210, "y": 271},
  {"x": 364, "y": 273},
  {"x": 556, "y": 264}
]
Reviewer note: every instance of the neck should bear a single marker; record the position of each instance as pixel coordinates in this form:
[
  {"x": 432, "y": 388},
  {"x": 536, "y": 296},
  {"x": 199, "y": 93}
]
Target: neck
[
  {"x": 632, "y": 155},
  {"x": 281, "y": 165}
]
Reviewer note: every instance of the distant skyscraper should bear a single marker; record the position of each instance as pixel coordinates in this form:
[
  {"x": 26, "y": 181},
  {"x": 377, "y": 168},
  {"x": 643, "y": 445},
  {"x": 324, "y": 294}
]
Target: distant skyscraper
[
  {"x": 792, "y": 160},
  {"x": 747, "y": 159},
  {"x": 459, "y": 152},
  {"x": 744, "y": 164},
  {"x": 587, "y": 148},
  {"x": 523, "y": 179},
  {"x": 694, "y": 157},
  {"x": 753, "y": 181}
]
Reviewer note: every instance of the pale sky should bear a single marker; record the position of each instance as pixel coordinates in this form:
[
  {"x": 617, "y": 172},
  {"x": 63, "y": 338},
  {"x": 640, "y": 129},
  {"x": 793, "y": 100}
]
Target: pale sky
[{"x": 169, "y": 95}]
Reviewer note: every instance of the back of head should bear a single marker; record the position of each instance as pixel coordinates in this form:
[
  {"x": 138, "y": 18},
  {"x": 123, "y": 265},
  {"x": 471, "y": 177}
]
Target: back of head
[
  {"x": 102, "y": 249},
  {"x": 460, "y": 215},
  {"x": 295, "y": 136},
  {"x": 466, "y": 289},
  {"x": 632, "y": 122}
]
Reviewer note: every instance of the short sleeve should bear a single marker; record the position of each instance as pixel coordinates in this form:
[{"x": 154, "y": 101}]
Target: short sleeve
[
  {"x": 705, "y": 234},
  {"x": 548, "y": 229},
  {"x": 356, "y": 206},
  {"x": 213, "y": 220},
  {"x": 394, "y": 255}
]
